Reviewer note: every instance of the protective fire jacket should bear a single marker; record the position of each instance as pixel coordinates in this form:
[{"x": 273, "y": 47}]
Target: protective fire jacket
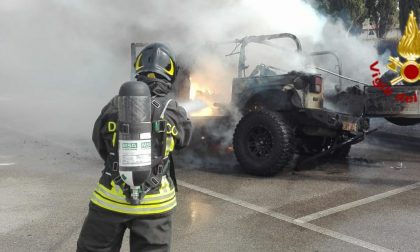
[{"x": 110, "y": 195}]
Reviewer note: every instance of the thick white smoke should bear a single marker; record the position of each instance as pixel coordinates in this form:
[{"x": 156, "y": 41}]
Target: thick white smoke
[{"x": 63, "y": 60}]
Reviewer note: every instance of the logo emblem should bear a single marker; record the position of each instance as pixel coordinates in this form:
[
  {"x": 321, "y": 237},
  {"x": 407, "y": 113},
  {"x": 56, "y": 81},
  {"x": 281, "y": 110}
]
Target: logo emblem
[
  {"x": 171, "y": 70},
  {"x": 138, "y": 62},
  {"x": 408, "y": 48}
]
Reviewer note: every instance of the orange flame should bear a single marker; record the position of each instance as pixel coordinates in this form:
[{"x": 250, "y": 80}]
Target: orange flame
[{"x": 198, "y": 93}]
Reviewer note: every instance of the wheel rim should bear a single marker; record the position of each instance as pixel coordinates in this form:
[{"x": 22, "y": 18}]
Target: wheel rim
[{"x": 260, "y": 142}]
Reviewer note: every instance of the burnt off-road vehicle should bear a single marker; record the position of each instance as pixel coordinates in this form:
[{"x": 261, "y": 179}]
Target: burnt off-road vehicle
[{"x": 283, "y": 114}]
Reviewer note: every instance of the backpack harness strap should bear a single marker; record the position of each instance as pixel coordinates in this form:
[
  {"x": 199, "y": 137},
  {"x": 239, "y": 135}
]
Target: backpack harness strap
[{"x": 160, "y": 165}]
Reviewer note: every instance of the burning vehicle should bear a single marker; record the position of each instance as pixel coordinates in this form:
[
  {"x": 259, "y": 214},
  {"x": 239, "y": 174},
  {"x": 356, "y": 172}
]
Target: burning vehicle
[{"x": 284, "y": 114}]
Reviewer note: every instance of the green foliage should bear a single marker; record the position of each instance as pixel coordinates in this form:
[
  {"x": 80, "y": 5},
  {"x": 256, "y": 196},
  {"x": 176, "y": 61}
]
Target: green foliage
[
  {"x": 405, "y": 7},
  {"x": 352, "y": 12},
  {"x": 382, "y": 15}
]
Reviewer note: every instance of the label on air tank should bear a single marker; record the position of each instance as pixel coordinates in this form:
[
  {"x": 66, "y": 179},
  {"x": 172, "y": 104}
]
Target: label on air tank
[{"x": 135, "y": 152}]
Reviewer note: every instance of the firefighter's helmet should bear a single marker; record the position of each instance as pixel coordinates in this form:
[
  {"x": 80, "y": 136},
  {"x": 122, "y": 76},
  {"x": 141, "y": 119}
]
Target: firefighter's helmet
[{"x": 156, "y": 60}]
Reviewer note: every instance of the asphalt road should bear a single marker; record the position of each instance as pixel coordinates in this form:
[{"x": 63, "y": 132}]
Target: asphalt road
[{"x": 371, "y": 201}]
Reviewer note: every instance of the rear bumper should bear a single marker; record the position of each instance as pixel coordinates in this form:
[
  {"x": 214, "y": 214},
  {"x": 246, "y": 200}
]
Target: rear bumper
[{"x": 335, "y": 121}]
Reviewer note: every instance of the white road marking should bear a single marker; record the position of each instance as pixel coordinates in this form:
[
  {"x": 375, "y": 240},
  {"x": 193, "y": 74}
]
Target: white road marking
[
  {"x": 310, "y": 226},
  {"x": 6, "y": 164},
  {"x": 356, "y": 203}
]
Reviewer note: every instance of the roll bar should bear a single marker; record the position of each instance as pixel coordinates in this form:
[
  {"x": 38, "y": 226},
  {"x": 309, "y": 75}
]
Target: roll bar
[
  {"x": 243, "y": 42},
  {"x": 339, "y": 65}
]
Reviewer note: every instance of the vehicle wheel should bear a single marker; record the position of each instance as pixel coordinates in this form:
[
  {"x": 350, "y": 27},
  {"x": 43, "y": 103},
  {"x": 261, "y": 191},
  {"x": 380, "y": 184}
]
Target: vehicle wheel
[
  {"x": 263, "y": 143},
  {"x": 341, "y": 153}
]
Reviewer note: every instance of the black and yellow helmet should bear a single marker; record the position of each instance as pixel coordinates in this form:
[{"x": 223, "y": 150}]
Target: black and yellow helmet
[{"x": 156, "y": 58}]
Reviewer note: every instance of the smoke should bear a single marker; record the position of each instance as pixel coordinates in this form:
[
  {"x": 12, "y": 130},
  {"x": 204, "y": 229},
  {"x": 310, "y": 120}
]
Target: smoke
[{"x": 62, "y": 61}]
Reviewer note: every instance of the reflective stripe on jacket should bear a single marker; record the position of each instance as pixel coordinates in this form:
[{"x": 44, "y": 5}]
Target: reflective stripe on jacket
[
  {"x": 113, "y": 199},
  {"x": 110, "y": 196}
]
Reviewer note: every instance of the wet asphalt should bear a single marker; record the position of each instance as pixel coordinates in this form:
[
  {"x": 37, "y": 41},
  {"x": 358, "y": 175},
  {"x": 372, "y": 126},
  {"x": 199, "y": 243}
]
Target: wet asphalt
[{"x": 45, "y": 188}]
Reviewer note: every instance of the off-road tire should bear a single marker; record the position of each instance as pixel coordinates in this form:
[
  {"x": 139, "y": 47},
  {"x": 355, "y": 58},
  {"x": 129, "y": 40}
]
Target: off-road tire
[{"x": 263, "y": 143}]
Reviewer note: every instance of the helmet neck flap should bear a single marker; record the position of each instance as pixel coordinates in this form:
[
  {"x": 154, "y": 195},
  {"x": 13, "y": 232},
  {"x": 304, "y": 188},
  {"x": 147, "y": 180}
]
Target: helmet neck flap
[{"x": 158, "y": 87}]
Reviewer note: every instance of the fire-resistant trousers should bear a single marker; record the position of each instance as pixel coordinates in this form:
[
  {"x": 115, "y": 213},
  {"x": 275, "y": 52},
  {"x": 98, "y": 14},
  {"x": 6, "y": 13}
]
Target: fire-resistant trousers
[{"x": 103, "y": 231}]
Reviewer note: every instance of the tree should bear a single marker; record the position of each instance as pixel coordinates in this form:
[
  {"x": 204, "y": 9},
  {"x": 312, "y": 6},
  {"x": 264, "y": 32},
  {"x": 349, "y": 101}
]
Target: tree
[
  {"x": 352, "y": 12},
  {"x": 405, "y": 7},
  {"x": 381, "y": 14}
]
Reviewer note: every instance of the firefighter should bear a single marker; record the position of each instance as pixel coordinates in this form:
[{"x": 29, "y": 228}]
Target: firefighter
[{"x": 110, "y": 211}]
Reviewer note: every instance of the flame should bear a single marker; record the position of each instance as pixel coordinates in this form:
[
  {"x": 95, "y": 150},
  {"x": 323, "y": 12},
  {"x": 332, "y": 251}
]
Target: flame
[
  {"x": 210, "y": 83},
  {"x": 409, "y": 45},
  {"x": 198, "y": 93},
  {"x": 193, "y": 89}
]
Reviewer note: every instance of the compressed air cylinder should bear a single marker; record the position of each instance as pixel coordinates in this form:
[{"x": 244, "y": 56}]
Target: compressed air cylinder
[{"x": 134, "y": 134}]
